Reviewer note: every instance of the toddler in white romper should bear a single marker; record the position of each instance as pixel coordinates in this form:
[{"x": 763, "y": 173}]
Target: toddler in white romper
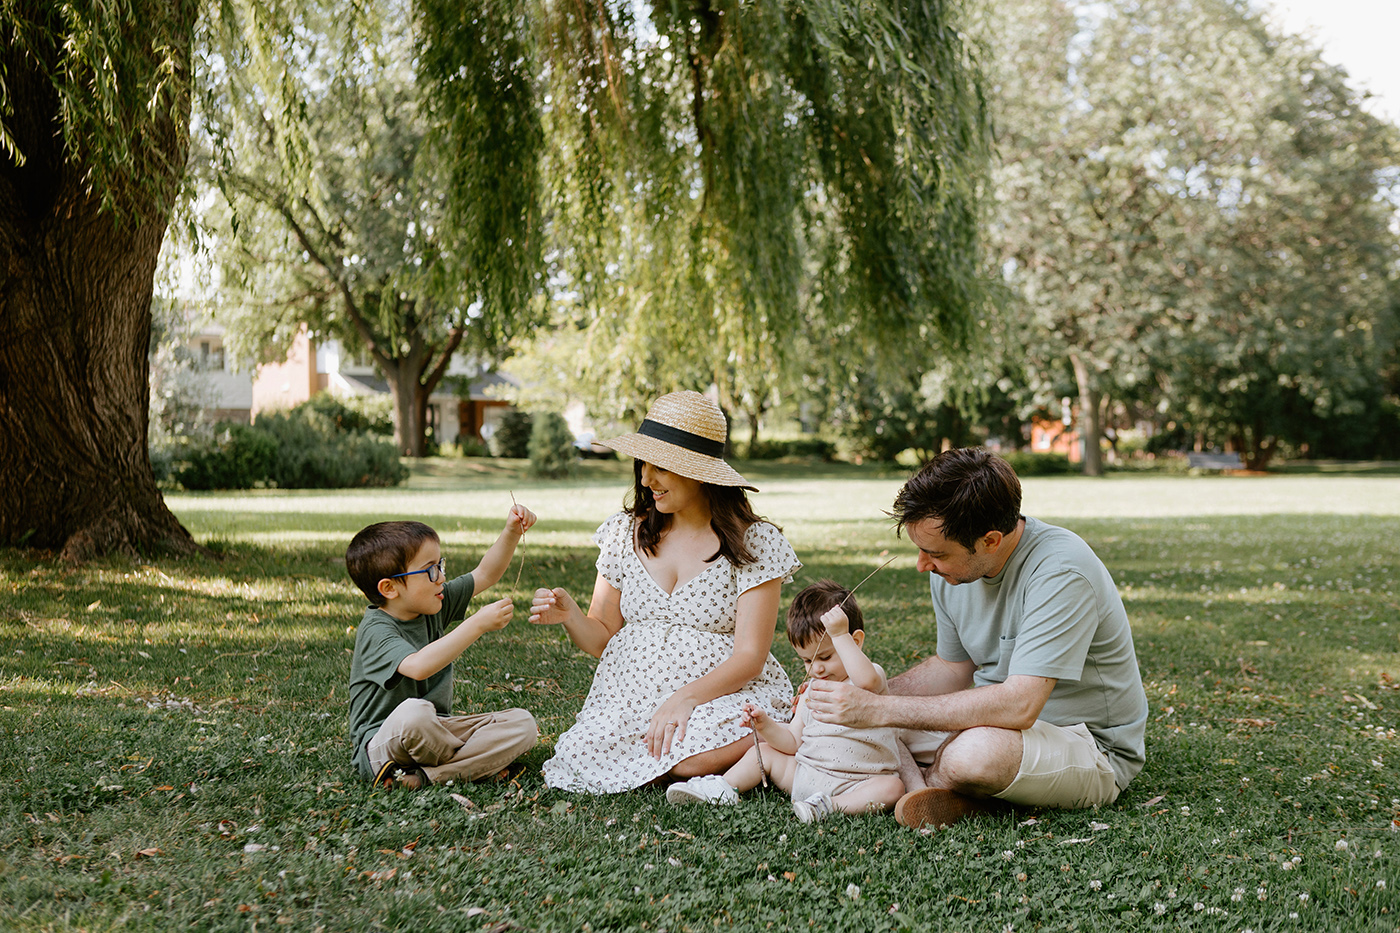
[{"x": 824, "y": 766}]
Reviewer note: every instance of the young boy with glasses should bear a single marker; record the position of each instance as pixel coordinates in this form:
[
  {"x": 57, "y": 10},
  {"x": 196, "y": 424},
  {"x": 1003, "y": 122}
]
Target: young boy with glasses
[{"x": 401, "y": 722}]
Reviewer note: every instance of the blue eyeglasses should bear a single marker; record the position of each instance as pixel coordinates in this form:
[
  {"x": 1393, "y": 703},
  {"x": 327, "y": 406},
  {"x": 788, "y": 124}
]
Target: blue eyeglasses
[{"x": 435, "y": 573}]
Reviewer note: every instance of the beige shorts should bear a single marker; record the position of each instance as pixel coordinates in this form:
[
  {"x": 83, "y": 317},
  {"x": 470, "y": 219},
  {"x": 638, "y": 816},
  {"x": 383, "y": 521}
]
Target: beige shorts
[{"x": 1061, "y": 766}]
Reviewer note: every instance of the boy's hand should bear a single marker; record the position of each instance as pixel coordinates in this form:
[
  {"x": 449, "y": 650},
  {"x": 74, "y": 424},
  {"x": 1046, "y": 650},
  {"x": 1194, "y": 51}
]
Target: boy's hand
[
  {"x": 493, "y": 616},
  {"x": 836, "y": 622},
  {"x": 520, "y": 519}
]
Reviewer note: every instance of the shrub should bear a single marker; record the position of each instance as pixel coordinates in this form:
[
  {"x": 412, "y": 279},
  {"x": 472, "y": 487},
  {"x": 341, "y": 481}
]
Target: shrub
[
  {"x": 360, "y": 415},
  {"x": 313, "y": 454},
  {"x": 304, "y": 448},
  {"x": 1026, "y": 463},
  {"x": 809, "y": 448},
  {"x": 552, "y": 451},
  {"x": 236, "y": 457},
  {"x": 471, "y": 446},
  {"x": 512, "y": 436}
]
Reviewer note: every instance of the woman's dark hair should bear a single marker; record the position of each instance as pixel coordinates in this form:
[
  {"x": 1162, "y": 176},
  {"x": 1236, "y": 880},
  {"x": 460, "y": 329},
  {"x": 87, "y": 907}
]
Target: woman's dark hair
[
  {"x": 730, "y": 517},
  {"x": 969, "y": 491},
  {"x": 804, "y": 616}
]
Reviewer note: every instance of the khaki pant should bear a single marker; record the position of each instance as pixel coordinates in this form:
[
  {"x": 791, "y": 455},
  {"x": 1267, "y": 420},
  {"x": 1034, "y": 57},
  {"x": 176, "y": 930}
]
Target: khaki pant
[
  {"x": 461, "y": 748},
  {"x": 1061, "y": 766}
]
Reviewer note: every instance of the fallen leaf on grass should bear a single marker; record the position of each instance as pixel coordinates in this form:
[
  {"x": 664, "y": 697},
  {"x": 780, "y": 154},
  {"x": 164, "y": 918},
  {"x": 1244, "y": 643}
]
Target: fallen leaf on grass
[
  {"x": 1098, "y": 827},
  {"x": 467, "y": 804},
  {"x": 1155, "y": 800},
  {"x": 790, "y": 875},
  {"x": 148, "y": 853},
  {"x": 475, "y": 911},
  {"x": 1070, "y": 842},
  {"x": 1256, "y": 723},
  {"x": 381, "y": 875}
]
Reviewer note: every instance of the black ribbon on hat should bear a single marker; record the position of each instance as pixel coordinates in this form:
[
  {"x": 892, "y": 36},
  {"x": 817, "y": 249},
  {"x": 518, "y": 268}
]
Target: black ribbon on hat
[{"x": 682, "y": 438}]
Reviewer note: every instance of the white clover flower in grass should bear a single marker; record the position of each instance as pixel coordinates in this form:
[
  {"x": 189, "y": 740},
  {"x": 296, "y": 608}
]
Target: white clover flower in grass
[
  {"x": 1381, "y": 884},
  {"x": 1341, "y": 845},
  {"x": 1293, "y": 915},
  {"x": 1159, "y": 908},
  {"x": 1198, "y": 906},
  {"x": 1095, "y": 885},
  {"x": 1286, "y": 866},
  {"x": 1238, "y": 895},
  {"x": 1007, "y": 854},
  {"x": 853, "y": 891},
  {"x": 1303, "y": 897}
]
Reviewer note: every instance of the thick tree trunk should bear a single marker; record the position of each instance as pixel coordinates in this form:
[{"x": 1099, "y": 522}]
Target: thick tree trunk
[
  {"x": 410, "y": 402},
  {"x": 1090, "y": 419},
  {"x": 75, "y": 321}
]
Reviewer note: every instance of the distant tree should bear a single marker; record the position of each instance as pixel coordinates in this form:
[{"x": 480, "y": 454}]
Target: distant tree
[
  {"x": 383, "y": 187},
  {"x": 1188, "y": 210}
]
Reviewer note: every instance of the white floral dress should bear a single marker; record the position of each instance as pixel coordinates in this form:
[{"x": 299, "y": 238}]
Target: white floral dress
[{"x": 667, "y": 640}]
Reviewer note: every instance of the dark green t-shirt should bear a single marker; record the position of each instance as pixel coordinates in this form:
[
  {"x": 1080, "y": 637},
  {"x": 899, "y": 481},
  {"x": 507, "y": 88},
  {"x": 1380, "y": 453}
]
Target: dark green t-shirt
[{"x": 381, "y": 644}]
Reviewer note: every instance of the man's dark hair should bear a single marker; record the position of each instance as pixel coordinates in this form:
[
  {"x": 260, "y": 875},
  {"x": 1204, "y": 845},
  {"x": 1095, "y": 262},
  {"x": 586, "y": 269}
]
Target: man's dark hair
[
  {"x": 804, "y": 617},
  {"x": 969, "y": 491},
  {"x": 382, "y": 550}
]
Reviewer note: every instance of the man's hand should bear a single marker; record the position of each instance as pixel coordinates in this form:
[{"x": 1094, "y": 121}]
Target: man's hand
[{"x": 844, "y": 703}]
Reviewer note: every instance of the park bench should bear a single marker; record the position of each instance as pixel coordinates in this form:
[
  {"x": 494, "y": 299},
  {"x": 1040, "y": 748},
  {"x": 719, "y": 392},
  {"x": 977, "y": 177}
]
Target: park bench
[{"x": 1199, "y": 461}]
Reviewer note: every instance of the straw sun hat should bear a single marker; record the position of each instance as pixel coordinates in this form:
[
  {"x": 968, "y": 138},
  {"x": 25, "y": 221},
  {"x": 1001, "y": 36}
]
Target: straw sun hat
[{"x": 684, "y": 432}]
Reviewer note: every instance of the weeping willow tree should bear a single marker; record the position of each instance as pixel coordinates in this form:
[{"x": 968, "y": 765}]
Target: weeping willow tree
[
  {"x": 381, "y": 187},
  {"x": 729, "y": 177},
  {"x": 94, "y": 110}
]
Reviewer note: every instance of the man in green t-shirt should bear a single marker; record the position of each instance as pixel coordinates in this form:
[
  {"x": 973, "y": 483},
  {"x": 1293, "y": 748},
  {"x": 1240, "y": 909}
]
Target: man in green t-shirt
[
  {"x": 1034, "y": 695},
  {"x": 402, "y": 729}
]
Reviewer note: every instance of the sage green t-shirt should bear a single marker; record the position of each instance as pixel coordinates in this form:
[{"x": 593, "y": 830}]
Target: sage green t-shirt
[
  {"x": 1053, "y": 611},
  {"x": 381, "y": 644}
]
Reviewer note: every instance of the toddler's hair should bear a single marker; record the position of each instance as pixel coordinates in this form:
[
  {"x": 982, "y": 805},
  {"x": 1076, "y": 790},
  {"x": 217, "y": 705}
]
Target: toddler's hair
[
  {"x": 804, "y": 617},
  {"x": 382, "y": 550}
]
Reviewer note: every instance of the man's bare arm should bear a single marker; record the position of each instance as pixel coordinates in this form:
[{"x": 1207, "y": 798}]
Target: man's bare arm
[
  {"x": 932, "y": 677},
  {"x": 1015, "y": 704}
]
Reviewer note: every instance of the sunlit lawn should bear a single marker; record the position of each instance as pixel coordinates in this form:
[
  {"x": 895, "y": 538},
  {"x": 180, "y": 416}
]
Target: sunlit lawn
[{"x": 175, "y": 730}]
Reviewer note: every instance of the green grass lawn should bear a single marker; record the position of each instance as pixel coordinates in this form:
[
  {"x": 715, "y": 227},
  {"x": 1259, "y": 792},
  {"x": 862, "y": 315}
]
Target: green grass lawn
[{"x": 175, "y": 730}]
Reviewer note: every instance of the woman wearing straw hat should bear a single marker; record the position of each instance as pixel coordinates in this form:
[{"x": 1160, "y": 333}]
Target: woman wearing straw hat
[{"x": 682, "y": 616}]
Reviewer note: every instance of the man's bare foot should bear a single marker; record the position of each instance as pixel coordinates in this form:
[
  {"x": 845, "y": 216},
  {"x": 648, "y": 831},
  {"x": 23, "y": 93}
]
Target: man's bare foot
[{"x": 935, "y": 807}]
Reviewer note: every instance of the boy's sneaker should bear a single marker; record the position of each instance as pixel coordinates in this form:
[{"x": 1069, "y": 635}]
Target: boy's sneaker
[
  {"x": 814, "y": 809},
  {"x": 710, "y": 788}
]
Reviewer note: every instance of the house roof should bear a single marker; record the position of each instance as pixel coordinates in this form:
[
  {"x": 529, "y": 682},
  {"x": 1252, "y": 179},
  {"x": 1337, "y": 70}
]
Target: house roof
[{"x": 478, "y": 390}]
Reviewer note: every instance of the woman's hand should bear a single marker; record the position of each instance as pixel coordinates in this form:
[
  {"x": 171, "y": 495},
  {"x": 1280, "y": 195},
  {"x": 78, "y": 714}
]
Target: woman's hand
[
  {"x": 552, "y": 607},
  {"x": 668, "y": 724}
]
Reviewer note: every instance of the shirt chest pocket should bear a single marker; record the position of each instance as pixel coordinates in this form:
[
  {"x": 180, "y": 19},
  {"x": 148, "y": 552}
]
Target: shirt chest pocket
[{"x": 995, "y": 671}]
